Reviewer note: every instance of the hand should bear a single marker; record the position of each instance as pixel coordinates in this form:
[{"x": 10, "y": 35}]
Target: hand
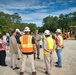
[
  {"x": 51, "y": 52},
  {"x": 62, "y": 46},
  {"x": 34, "y": 51}
]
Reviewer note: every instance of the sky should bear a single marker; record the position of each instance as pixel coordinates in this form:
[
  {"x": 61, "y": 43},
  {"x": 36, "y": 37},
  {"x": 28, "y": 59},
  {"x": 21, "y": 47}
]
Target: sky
[{"x": 33, "y": 11}]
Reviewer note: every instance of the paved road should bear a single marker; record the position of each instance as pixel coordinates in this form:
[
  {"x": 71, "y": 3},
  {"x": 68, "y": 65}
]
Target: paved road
[{"x": 69, "y": 62}]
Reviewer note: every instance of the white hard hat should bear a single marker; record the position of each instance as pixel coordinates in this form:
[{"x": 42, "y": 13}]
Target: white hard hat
[
  {"x": 58, "y": 31},
  {"x": 46, "y": 32},
  {"x": 17, "y": 30},
  {"x": 26, "y": 29}
]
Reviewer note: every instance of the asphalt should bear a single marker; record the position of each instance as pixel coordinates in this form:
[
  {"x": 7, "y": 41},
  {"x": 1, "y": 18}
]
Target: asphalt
[{"x": 68, "y": 68}]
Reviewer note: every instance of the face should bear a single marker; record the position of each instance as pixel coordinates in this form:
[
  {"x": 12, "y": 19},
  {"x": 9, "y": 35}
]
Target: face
[
  {"x": 14, "y": 33},
  {"x": 56, "y": 33},
  {"x": 36, "y": 32}
]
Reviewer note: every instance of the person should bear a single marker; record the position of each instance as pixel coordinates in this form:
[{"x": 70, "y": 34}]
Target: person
[
  {"x": 37, "y": 40},
  {"x": 28, "y": 48},
  {"x": 13, "y": 50},
  {"x": 59, "y": 47},
  {"x": 49, "y": 47},
  {"x": 18, "y": 35},
  {"x": 2, "y": 51},
  {"x": 7, "y": 40}
]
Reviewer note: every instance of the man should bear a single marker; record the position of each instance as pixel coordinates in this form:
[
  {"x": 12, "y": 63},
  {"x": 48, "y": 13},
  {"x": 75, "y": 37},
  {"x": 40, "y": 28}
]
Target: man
[
  {"x": 37, "y": 40},
  {"x": 28, "y": 47},
  {"x": 18, "y": 35},
  {"x": 59, "y": 47},
  {"x": 48, "y": 46},
  {"x": 13, "y": 50}
]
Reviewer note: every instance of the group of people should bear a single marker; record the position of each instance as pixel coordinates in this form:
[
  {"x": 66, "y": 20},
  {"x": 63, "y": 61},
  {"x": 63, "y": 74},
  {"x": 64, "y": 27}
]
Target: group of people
[{"x": 29, "y": 45}]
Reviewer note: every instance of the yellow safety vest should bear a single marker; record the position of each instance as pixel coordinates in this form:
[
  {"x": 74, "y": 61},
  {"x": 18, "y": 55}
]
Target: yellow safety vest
[
  {"x": 49, "y": 44},
  {"x": 60, "y": 42}
]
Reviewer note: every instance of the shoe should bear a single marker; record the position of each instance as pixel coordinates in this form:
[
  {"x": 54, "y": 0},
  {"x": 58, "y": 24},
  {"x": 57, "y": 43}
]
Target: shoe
[
  {"x": 4, "y": 65},
  {"x": 56, "y": 62},
  {"x": 38, "y": 58},
  {"x": 18, "y": 58},
  {"x": 16, "y": 68},
  {"x": 21, "y": 73},
  {"x": 10, "y": 66},
  {"x": 58, "y": 66},
  {"x": 46, "y": 72},
  {"x": 33, "y": 73}
]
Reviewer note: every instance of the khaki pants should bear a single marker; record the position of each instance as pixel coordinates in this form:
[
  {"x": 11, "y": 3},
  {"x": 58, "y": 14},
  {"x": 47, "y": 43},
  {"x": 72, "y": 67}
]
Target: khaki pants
[
  {"x": 48, "y": 62},
  {"x": 13, "y": 60},
  {"x": 19, "y": 55},
  {"x": 38, "y": 50},
  {"x": 24, "y": 58}
]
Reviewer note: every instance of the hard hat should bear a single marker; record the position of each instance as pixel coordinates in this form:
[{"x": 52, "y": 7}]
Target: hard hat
[
  {"x": 58, "y": 31},
  {"x": 46, "y": 32},
  {"x": 26, "y": 29},
  {"x": 17, "y": 30}
]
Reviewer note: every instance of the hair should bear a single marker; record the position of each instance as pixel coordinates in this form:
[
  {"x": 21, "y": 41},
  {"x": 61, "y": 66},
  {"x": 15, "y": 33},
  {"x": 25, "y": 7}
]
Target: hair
[
  {"x": 12, "y": 31},
  {"x": 53, "y": 36},
  {"x": 26, "y": 32},
  {"x": 7, "y": 34},
  {"x": 47, "y": 36},
  {"x": 17, "y": 32},
  {"x": 1, "y": 37}
]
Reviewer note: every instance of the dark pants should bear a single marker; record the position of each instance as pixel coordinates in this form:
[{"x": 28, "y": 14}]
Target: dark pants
[
  {"x": 38, "y": 51},
  {"x": 2, "y": 57}
]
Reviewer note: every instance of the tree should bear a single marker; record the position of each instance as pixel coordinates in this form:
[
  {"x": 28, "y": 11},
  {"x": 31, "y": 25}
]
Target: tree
[{"x": 16, "y": 18}]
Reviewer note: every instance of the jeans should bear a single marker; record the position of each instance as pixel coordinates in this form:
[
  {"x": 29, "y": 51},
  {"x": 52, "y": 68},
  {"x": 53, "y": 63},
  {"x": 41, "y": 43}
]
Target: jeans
[
  {"x": 59, "y": 55},
  {"x": 8, "y": 44}
]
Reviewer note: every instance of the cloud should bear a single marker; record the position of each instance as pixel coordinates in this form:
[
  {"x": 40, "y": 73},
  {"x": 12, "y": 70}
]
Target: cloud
[
  {"x": 33, "y": 11},
  {"x": 52, "y": 3},
  {"x": 37, "y": 23},
  {"x": 23, "y": 4},
  {"x": 37, "y": 17},
  {"x": 65, "y": 11}
]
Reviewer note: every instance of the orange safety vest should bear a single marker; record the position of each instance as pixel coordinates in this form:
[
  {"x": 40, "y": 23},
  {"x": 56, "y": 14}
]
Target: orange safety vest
[{"x": 26, "y": 43}]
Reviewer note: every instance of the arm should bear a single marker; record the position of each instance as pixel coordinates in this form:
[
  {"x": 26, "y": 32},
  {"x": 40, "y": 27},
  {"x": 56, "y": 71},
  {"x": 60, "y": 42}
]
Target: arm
[
  {"x": 34, "y": 45},
  {"x": 14, "y": 44}
]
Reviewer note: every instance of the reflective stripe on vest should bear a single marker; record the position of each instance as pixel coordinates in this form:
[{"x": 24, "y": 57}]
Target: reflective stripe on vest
[
  {"x": 50, "y": 44},
  {"x": 26, "y": 43}
]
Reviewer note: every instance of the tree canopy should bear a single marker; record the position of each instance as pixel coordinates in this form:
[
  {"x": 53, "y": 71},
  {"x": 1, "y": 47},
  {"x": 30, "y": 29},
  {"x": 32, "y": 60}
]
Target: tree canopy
[{"x": 8, "y": 22}]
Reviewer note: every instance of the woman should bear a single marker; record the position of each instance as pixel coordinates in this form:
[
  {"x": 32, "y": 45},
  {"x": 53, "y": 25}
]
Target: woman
[{"x": 2, "y": 51}]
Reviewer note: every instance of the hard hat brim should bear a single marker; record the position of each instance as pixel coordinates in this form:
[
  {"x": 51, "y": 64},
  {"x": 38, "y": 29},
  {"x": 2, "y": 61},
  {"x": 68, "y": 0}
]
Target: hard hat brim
[{"x": 26, "y": 30}]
